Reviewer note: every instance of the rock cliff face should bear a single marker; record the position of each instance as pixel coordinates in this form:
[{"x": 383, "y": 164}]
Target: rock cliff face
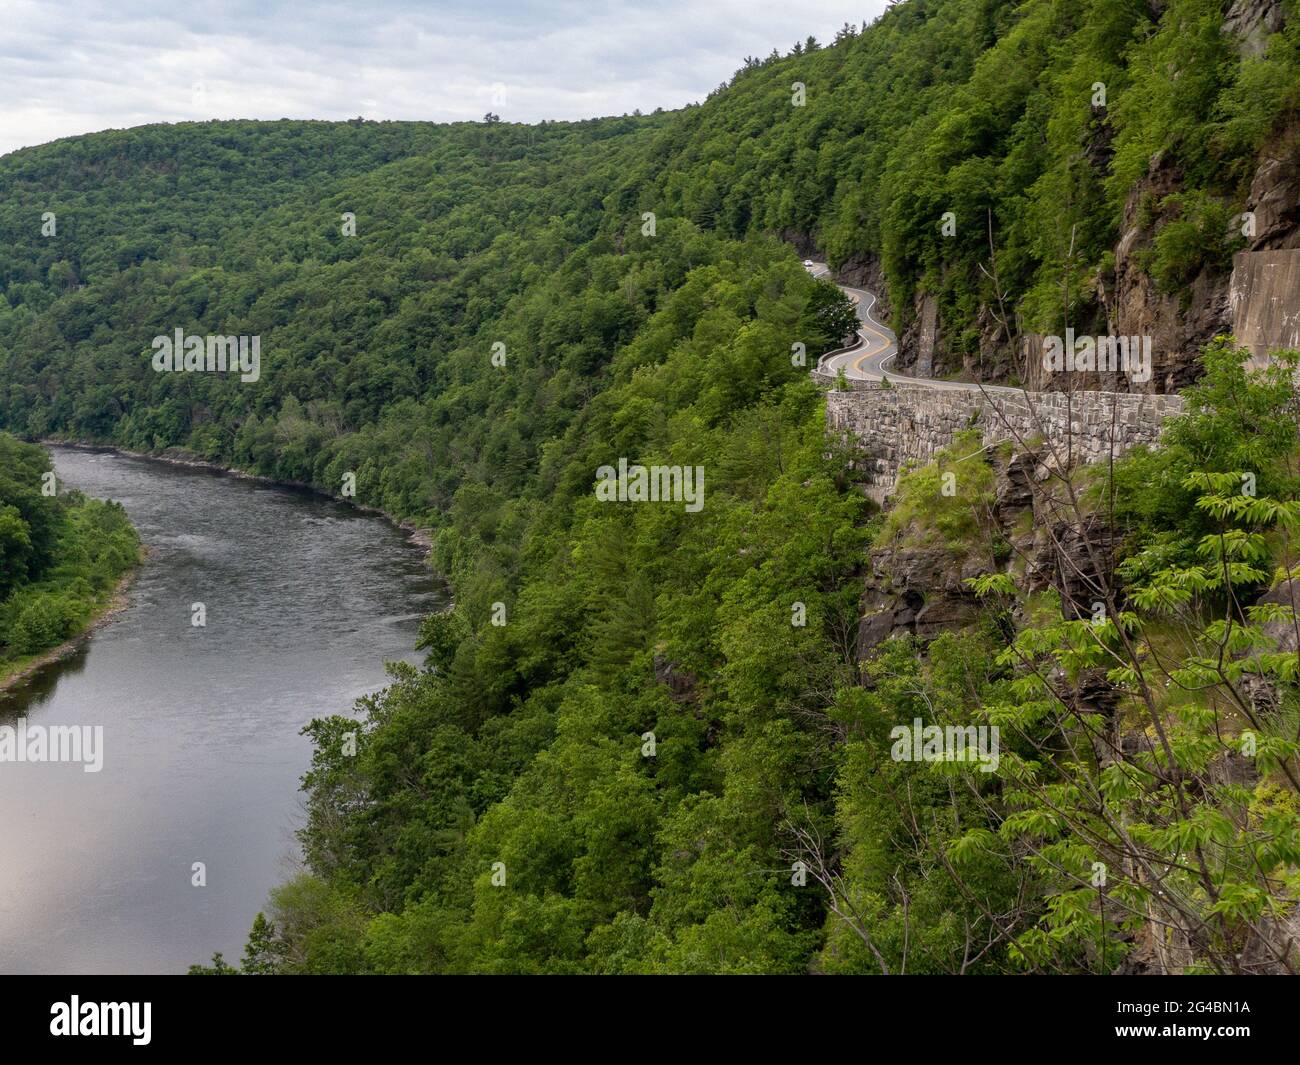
[
  {"x": 1265, "y": 308},
  {"x": 1134, "y": 305},
  {"x": 918, "y": 343},
  {"x": 1251, "y": 22},
  {"x": 915, "y": 591},
  {"x": 1264, "y": 289},
  {"x": 918, "y": 589},
  {"x": 1275, "y": 193},
  {"x": 1258, "y": 300},
  {"x": 863, "y": 271},
  {"x": 1255, "y": 296}
]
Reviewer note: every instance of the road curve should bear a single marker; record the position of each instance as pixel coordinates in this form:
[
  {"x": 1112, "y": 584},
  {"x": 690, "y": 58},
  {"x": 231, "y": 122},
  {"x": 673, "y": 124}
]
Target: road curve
[{"x": 877, "y": 348}]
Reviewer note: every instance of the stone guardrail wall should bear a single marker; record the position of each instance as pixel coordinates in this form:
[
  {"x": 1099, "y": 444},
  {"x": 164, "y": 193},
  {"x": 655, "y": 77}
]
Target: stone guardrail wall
[
  {"x": 904, "y": 424},
  {"x": 828, "y": 380}
]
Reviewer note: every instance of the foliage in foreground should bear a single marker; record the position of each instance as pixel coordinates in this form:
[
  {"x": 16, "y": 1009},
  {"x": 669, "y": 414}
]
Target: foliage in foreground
[
  {"x": 504, "y": 810},
  {"x": 500, "y": 813}
]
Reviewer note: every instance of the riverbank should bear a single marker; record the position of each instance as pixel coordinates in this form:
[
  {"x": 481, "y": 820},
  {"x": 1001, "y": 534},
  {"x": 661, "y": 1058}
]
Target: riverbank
[
  {"x": 417, "y": 534},
  {"x": 204, "y": 743},
  {"x": 23, "y": 669}
]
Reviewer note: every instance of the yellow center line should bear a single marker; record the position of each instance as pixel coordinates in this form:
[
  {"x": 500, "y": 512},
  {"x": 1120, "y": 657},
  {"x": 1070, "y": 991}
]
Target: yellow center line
[{"x": 884, "y": 340}]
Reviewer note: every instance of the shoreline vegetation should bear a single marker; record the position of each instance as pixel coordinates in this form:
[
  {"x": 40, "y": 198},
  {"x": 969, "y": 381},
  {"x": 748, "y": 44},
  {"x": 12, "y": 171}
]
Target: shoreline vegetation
[
  {"x": 19, "y": 672},
  {"x": 66, "y": 562},
  {"x": 651, "y": 741}
]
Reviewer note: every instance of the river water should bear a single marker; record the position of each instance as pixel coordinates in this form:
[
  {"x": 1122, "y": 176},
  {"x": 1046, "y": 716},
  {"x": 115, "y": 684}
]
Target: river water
[{"x": 305, "y": 600}]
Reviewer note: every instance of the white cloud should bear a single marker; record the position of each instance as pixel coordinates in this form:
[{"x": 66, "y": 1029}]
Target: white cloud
[{"x": 81, "y": 65}]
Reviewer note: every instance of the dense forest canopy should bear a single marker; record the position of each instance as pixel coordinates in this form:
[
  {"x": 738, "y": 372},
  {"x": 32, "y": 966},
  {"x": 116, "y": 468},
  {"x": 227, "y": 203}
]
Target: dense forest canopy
[
  {"x": 472, "y": 319},
  {"x": 469, "y": 235}
]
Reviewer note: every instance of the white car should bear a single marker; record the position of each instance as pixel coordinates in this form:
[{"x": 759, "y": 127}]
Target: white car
[{"x": 808, "y": 263}]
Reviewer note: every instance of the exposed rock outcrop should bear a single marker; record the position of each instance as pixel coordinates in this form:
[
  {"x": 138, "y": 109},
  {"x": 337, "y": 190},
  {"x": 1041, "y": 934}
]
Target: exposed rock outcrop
[
  {"x": 680, "y": 684},
  {"x": 1251, "y": 22},
  {"x": 1265, "y": 305},
  {"x": 916, "y": 591},
  {"x": 1256, "y": 298},
  {"x": 1135, "y": 306},
  {"x": 864, "y": 271},
  {"x": 919, "y": 589},
  {"x": 1275, "y": 193},
  {"x": 918, "y": 341}
]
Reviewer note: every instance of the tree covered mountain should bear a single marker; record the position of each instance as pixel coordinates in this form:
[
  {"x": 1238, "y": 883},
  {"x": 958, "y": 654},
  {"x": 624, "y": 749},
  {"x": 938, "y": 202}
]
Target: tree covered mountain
[{"x": 639, "y": 721}]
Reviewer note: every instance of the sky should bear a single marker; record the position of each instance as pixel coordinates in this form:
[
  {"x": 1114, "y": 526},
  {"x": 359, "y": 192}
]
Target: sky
[{"x": 77, "y": 66}]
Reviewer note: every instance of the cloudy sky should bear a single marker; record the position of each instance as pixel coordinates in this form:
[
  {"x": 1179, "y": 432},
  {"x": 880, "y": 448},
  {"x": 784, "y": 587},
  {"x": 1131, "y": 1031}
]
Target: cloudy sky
[{"x": 74, "y": 66}]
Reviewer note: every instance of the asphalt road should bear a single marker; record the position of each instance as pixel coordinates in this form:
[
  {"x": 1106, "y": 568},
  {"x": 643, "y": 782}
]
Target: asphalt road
[{"x": 877, "y": 348}]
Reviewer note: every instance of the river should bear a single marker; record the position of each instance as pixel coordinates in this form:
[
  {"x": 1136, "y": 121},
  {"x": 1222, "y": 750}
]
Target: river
[{"x": 305, "y": 599}]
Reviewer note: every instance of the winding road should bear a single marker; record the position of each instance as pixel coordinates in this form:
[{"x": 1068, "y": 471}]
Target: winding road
[{"x": 877, "y": 348}]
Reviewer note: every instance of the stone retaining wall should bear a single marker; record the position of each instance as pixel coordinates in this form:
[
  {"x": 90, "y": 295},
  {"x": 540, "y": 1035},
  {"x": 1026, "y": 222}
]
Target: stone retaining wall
[{"x": 904, "y": 424}]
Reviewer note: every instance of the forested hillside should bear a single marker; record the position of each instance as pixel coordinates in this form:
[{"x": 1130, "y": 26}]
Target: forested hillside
[{"x": 639, "y": 721}]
